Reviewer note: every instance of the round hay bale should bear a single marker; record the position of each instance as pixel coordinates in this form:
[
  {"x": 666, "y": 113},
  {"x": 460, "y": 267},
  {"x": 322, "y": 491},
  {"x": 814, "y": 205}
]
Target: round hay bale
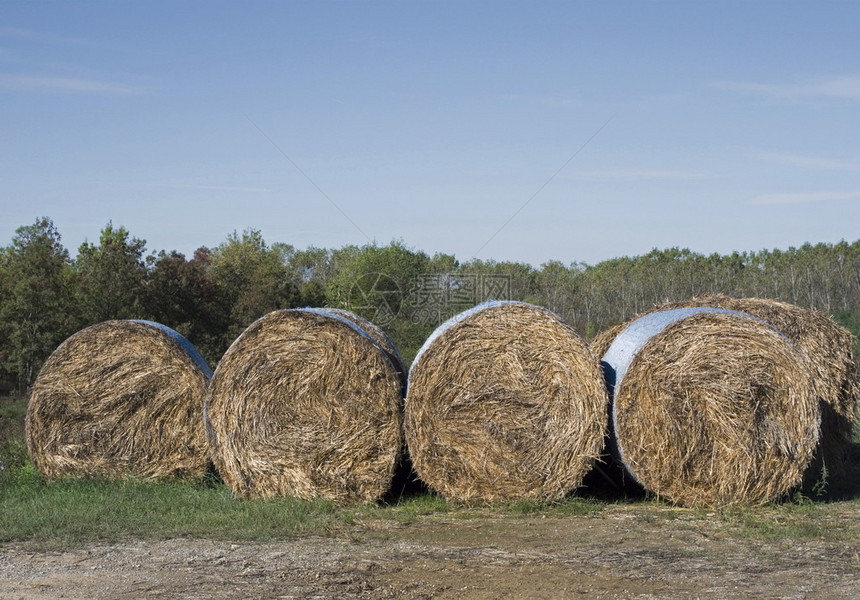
[
  {"x": 601, "y": 342},
  {"x": 120, "y": 398},
  {"x": 828, "y": 350},
  {"x": 505, "y": 402},
  {"x": 711, "y": 407},
  {"x": 380, "y": 337},
  {"x": 304, "y": 403}
]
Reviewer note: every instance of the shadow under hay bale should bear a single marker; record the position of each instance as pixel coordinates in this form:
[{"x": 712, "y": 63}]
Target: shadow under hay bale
[
  {"x": 305, "y": 404},
  {"x": 120, "y": 398},
  {"x": 505, "y": 402},
  {"x": 406, "y": 483},
  {"x": 828, "y": 350},
  {"x": 711, "y": 406}
]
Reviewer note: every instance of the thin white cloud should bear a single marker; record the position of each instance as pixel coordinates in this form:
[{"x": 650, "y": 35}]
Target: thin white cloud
[
  {"x": 804, "y": 197},
  {"x": 39, "y": 36},
  {"x": 64, "y": 85},
  {"x": 549, "y": 100},
  {"x": 811, "y": 162},
  {"x": 187, "y": 186},
  {"x": 641, "y": 174},
  {"x": 834, "y": 88},
  {"x": 219, "y": 188}
]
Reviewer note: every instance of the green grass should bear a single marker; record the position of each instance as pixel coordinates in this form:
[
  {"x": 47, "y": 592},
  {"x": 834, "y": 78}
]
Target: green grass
[
  {"x": 13, "y": 450},
  {"x": 795, "y": 518},
  {"x": 72, "y": 512},
  {"x": 787, "y": 521},
  {"x": 410, "y": 509}
]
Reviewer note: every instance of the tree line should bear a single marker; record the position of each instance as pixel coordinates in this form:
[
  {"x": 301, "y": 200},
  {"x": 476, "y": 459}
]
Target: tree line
[{"x": 210, "y": 297}]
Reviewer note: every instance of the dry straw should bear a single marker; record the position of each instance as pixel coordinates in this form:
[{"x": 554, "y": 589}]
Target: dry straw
[
  {"x": 828, "y": 350},
  {"x": 120, "y": 398},
  {"x": 505, "y": 402},
  {"x": 601, "y": 342},
  {"x": 380, "y": 337},
  {"x": 713, "y": 408},
  {"x": 304, "y": 403}
]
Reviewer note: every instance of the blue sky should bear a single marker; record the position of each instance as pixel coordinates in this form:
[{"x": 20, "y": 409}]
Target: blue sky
[{"x": 716, "y": 126}]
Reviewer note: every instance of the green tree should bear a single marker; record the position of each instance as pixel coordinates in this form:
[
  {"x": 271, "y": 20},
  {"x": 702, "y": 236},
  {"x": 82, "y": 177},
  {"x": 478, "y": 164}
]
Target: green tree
[
  {"x": 312, "y": 269},
  {"x": 442, "y": 264},
  {"x": 521, "y": 278},
  {"x": 374, "y": 281},
  {"x": 36, "y": 302},
  {"x": 111, "y": 276},
  {"x": 183, "y": 295},
  {"x": 253, "y": 279},
  {"x": 558, "y": 290}
]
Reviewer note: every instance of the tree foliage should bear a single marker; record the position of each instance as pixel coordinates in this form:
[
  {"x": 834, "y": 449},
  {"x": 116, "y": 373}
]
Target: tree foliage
[
  {"x": 184, "y": 295},
  {"x": 111, "y": 276},
  {"x": 211, "y": 298},
  {"x": 252, "y": 278},
  {"x": 36, "y": 308},
  {"x": 373, "y": 281}
]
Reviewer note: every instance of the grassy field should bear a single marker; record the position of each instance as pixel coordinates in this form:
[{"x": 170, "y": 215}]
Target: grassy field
[{"x": 71, "y": 512}]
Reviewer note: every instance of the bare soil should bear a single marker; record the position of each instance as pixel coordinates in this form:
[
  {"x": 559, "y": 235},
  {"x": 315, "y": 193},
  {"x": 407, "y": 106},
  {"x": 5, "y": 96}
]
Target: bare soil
[{"x": 621, "y": 552}]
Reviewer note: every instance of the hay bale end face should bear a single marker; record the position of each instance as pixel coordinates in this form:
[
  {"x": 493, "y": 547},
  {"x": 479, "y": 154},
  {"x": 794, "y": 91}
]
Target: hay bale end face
[
  {"x": 827, "y": 349},
  {"x": 380, "y": 337},
  {"x": 711, "y": 407},
  {"x": 120, "y": 398},
  {"x": 305, "y": 404},
  {"x": 505, "y": 402}
]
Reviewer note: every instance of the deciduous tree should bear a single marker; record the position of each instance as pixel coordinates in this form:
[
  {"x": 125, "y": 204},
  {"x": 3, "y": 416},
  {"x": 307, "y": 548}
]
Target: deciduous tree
[
  {"x": 253, "y": 279},
  {"x": 111, "y": 276},
  {"x": 36, "y": 306}
]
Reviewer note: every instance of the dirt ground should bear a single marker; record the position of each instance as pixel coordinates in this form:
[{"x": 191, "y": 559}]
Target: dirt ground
[{"x": 617, "y": 553}]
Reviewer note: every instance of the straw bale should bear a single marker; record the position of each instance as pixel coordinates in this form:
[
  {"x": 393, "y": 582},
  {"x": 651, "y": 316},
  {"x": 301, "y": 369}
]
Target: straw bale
[
  {"x": 304, "y": 403},
  {"x": 711, "y": 407},
  {"x": 380, "y": 337},
  {"x": 601, "y": 342},
  {"x": 120, "y": 398},
  {"x": 505, "y": 402},
  {"x": 828, "y": 350}
]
